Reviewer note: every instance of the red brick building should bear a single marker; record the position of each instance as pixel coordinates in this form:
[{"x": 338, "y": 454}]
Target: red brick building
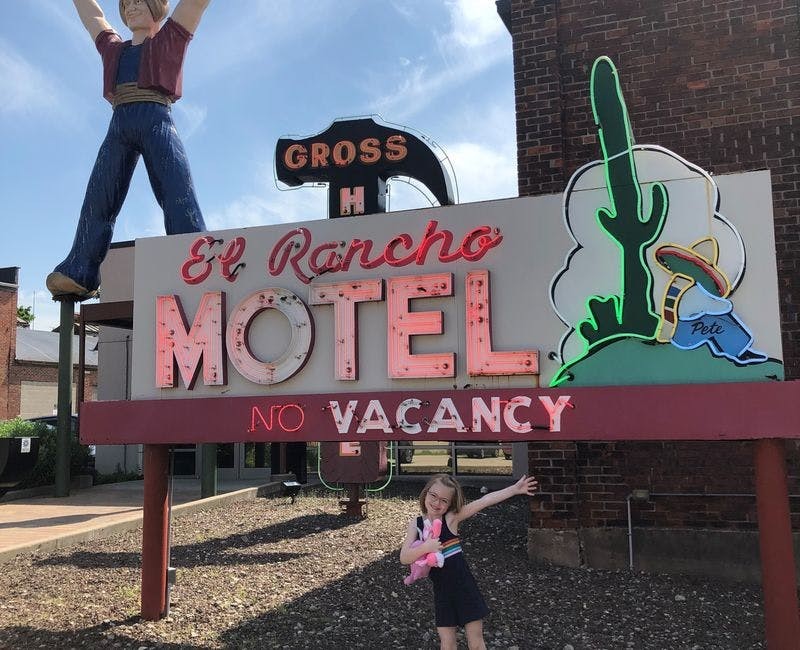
[
  {"x": 29, "y": 361},
  {"x": 719, "y": 84}
]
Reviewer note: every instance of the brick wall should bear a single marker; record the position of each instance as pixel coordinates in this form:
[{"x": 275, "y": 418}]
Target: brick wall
[
  {"x": 8, "y": 331},
  {"x": 719, "y": 84},
  {"x": 43, "y": 373},
  {"x": 13, "y": 372}
]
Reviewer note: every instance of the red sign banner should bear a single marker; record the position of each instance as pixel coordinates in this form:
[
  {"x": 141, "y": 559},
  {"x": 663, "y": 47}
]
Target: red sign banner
[{"x": 734, "y": 411}]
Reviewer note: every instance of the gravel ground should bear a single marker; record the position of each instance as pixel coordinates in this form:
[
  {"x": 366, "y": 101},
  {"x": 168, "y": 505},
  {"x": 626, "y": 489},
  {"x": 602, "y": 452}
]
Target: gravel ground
[{"x": 268, "y": 574}]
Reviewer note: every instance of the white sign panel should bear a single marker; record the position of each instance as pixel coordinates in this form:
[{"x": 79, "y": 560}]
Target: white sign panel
[{"x": 514, "y": 293}]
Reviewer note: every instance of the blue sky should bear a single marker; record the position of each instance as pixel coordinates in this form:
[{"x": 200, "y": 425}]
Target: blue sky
[{"x": 255, "y": 71}]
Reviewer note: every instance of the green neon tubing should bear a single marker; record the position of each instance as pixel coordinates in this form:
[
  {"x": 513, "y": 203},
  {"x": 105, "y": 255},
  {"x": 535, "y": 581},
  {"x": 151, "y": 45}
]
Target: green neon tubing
[
  {"x": 319, "y": 471},
  {"x": 391, "y": 467},
  {"x": 339, "y": 489}
]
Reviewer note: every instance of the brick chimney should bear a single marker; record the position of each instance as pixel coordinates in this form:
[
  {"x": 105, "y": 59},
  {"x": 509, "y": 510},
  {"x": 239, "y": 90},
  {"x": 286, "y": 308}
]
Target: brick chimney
[{"x": 9, "y": 278}]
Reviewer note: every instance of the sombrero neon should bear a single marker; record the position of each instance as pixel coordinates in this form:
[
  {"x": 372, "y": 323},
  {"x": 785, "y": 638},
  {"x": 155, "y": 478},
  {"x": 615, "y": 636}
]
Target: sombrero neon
[{"x": 679, "y": 260}]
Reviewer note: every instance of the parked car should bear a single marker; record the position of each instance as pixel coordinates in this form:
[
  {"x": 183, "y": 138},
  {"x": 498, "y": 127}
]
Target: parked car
[
  {"x": 486, "y": 449},
  {"x": 52, "y": 421},
  {"x": 405, "y": 451}
]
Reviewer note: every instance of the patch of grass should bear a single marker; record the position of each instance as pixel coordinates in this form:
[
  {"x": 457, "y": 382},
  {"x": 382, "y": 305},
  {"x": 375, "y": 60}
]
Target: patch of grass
[{"x": 118, "y": 476}]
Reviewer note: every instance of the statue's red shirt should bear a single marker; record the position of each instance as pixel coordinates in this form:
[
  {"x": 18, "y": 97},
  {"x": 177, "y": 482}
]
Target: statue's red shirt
[{"x": 161, "y": 66}]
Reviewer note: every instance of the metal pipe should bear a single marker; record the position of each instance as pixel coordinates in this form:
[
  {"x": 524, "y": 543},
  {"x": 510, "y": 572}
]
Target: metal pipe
[
  {"x": 64, "y": 408},
  {"x": 79, "y": 388},
  {"x": 170, "y": 570},
  {"x": 630, "y": 533},
  {"x": 127, "y": 393}
]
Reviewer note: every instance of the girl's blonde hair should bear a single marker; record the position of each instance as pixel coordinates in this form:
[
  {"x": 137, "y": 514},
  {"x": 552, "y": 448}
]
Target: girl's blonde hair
[
  {"x": 449, "y": 482},
  {"x": 158, "y": 9}
]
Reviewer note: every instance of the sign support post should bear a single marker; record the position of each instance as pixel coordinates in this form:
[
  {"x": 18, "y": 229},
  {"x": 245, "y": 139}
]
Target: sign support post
[
  {"x": 155, "y": 531},
  {"x": 779, "y": 581},
  {"x": 64, "y": 407},
  {"x": 208, "y": 470}
]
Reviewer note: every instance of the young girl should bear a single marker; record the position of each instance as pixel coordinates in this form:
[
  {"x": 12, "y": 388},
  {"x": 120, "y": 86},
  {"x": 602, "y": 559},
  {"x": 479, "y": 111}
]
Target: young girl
[{"x": 457, "y": 600}]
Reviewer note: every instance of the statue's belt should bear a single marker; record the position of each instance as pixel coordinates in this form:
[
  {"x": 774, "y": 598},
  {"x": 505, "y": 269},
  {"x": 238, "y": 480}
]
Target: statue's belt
[{"x": 129, "y": 93}]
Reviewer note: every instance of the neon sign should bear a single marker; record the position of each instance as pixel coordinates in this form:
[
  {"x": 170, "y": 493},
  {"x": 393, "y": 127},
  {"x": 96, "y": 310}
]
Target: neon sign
[
  {"x": 177, "y": 344},
  {"x": 357, "y": 157},
  {"x": 298, "y": 350},
  {"x": 288, "y": 418},
  {"x": 344, "y": 296},
  {"x": 295, "y": 250},
  {"x": 344, "y": 152},
  {"x": 199, "y": 256},
  {"x": 484, "y": 418}
]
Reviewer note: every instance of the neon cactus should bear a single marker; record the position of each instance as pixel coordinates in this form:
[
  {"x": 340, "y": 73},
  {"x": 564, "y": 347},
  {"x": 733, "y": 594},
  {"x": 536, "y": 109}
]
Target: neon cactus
[{"x": 632, "y": 312}]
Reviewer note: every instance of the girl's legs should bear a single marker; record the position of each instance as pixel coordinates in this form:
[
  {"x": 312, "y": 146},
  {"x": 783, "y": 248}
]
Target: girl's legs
[
  {"x": 447, "y": 638},
  {"x": 474, "y": 632}
]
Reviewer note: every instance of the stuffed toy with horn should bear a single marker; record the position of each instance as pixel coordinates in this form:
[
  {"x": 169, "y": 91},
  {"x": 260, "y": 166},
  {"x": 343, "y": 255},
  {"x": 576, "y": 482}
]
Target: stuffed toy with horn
[{"x": 422, "y": 566}]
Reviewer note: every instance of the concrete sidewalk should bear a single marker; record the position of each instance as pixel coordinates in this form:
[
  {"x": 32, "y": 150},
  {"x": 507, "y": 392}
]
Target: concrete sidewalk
[{"x": 43, "y": 523}]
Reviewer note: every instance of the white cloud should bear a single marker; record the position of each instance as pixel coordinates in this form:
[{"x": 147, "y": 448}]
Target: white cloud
[
  {"x": 482, "y": 172},
  {"x": 475, "y": 41},
  {"x": 189, "y": 118},
  {"x": 275, "y": 206},
  {"x": 141, "y": 215},
  {"x": 404, "y": 10},
  {"x": 28, "y": 90},
  {"x": 475, "y": 23},
  {"x": 261, "y": 33},
  {"x": 65, "y": 18}
]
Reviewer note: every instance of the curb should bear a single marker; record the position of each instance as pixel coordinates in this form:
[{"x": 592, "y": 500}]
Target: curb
[{"x": 134, "y": 521}]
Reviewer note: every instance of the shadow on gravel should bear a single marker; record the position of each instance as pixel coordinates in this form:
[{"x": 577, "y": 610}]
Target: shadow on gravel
[
  {"x": 202, "y": 556},
  {"x": 533, "y": 606},
  {"x": 216, "y": 551},
  {"x": 96, "y": 636}
]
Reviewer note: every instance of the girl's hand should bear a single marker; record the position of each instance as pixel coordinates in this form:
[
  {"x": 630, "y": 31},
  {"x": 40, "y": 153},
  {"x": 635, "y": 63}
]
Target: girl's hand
[
  {"x": 526, "y": 485},
  {"x": 432, "y": 545}
]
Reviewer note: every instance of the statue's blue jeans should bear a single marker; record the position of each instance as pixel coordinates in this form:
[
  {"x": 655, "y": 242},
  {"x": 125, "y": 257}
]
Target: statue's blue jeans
[{"x": 138, "y": 129}]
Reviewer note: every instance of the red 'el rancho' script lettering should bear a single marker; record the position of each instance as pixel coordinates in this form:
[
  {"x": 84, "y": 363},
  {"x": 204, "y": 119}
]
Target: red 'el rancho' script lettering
[{"x": 307, "y": 260}]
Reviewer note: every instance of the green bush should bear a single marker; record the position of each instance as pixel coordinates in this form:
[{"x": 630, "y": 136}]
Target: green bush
[
  {"x": 118, "y": 476},
  {"x": 19, "y": 428},
  {"x": 44, "y": 473}
]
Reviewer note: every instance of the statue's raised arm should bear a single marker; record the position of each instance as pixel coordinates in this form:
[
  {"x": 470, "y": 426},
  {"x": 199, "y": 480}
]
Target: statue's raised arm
[
  {"x": 92, "y": 17},
  {"x": 142, "y": 78},
  {"x": 189, "y": 12}
]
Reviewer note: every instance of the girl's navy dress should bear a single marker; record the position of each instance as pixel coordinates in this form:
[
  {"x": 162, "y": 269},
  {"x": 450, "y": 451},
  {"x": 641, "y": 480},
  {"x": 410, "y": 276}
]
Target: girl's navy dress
[{"x": 457, "y": 599}]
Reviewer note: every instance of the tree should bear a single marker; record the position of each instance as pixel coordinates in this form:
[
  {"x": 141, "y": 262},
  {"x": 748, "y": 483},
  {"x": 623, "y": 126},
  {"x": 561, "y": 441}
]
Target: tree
[{"x": 25, "y": 314}]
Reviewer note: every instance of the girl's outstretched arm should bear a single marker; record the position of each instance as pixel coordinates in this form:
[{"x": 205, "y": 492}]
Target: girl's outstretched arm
[
  {"x": 526, "y": 485},
  {"x": 410, "y": 555}
]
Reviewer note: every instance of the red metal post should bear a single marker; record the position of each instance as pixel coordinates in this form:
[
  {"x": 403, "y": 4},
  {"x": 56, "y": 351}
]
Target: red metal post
[
  {"x": 353, "y": 506},
  {"x": 155, "y": 531},
  {"x": 781, "y": 618}
]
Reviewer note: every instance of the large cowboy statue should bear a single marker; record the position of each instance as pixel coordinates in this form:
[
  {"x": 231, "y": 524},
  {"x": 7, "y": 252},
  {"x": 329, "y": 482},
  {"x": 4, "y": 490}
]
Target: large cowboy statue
[{"x": 141, "y": 79}]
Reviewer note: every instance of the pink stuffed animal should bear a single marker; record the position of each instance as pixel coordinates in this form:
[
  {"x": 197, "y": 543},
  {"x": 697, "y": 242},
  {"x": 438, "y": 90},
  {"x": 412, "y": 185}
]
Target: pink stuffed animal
[{"x": 422, "y": 566}]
